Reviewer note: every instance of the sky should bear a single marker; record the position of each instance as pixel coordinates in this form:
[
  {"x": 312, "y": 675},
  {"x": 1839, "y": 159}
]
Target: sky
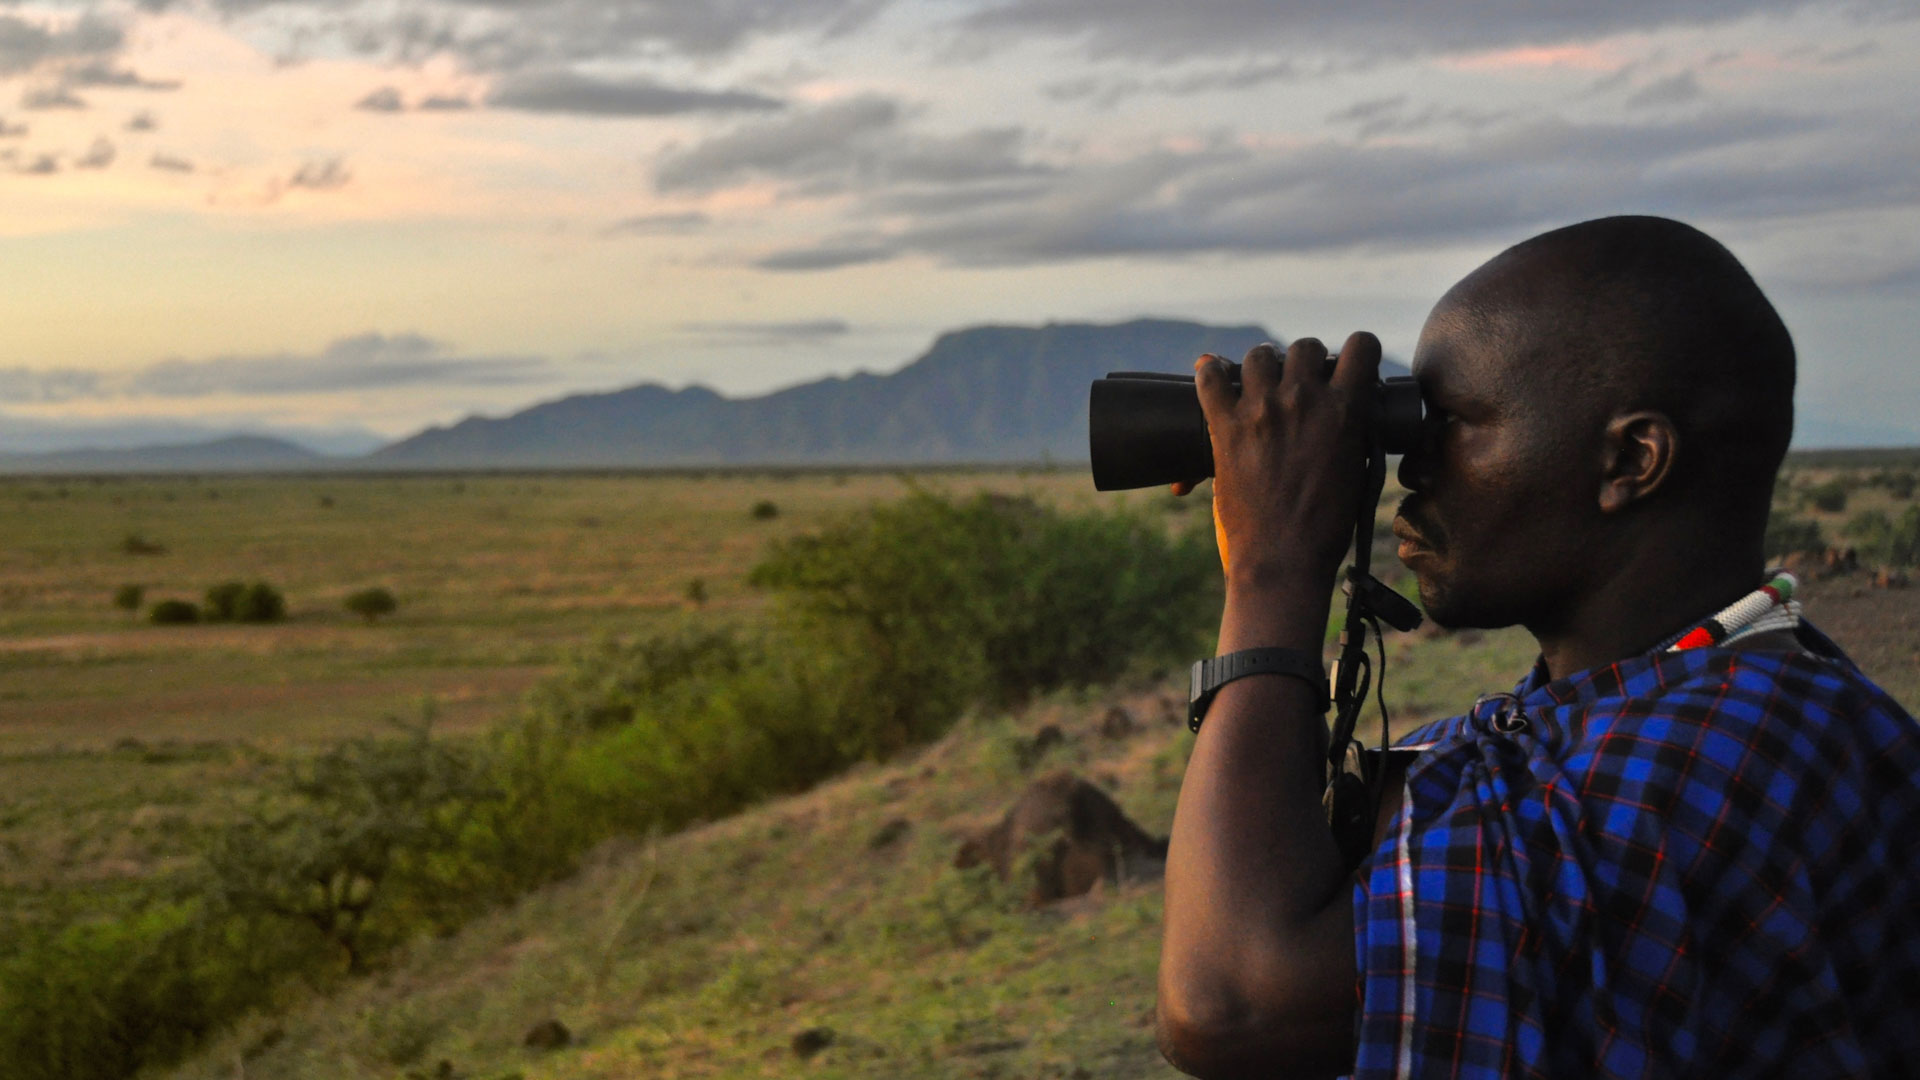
[{"x": 331, "y": 218}]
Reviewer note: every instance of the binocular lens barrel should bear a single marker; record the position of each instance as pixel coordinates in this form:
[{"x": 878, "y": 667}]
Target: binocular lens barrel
[{"x": 1145, "y": 428}]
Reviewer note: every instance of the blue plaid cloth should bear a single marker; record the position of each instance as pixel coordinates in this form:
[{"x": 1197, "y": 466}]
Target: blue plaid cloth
[{"x": 1700, "y": 864}]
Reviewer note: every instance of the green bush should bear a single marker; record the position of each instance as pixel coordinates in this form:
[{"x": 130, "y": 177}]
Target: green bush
[
  {"x": 136, "y": 544},
  {"x": 235, "y": 601},
  {"x": 1830, "y": 497},
  {"x": 173, "y": 613},
  {"x": 372, "y": 603},
  {"x": 1887, "y": 540},
  {"x": 765, "y": 510},
  {"x": 128, "y": 598},
  {"x": 1787, "y": 534}
]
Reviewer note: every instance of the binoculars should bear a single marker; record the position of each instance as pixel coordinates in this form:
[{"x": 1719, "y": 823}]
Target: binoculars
[{"x": 1145, "y": 428}]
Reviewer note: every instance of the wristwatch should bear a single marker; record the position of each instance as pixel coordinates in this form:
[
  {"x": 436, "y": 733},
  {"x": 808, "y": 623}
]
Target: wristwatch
[{"x": 1211, "y": 674}]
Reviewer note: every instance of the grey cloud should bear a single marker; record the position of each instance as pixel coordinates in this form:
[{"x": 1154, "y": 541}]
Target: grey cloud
[
  {"x": 443, "y": 103},
  {"x": 11, "y": 131},
  {"x": 50, "y": 97},
  {"x": 170, "y": 163},
  {"x": 381, "y": 99},
  {"x": 98, "y": 156},
  {"x": 1722, "y": 166},
  {"x": 1159, "y": 30},
  {"x": 510, "y": 35},
  {"x": 28, "y": 386},
  {"x": 143, "y": 121},
  {"x": 802, "y": 330},
  {"x": 856, "y": 144},
  {"x": 570, "y": 92},
  {"x": 829, "y": 256},
  {"x": 40, "y": 165},
  {"x": 26, "y": 45},
  {"x": 1672, "y": 90},
  {"x": 324, "y": 174},
  {"x": 102, "y": 73},
  {"x": 656, "y": 224},
  {"x": 1107, "y": 92},
  {"x": 365, "y": 362},
  {"x": 1394, "y": 115}
]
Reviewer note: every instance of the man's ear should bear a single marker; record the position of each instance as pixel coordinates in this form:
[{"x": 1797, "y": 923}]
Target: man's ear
[{"x": 1637, "y": 456}]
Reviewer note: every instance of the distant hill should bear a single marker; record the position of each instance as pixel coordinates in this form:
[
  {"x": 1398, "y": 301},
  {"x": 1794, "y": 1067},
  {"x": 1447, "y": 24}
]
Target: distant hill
[
  {"x": 238, "y": 453},
  {"x": 984, "y": 394}
]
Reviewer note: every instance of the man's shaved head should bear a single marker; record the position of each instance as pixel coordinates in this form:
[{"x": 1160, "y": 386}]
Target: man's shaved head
[{"x": 1645, "y": 313}]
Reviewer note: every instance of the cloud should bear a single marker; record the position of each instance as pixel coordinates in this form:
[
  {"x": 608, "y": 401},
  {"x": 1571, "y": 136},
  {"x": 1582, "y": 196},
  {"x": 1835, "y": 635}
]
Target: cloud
[
  {"x": 98, "y": 156},
  {"x": 657, "y": 224},
  {"x": 50, "y": 97},
  {"x": 1107, "y": 92},
  {"x": 443, "y": 103},
  {"x": 1231, "y": 198},
  {"x": 40, "y": 165},
  {"x": 1672, "y": 90},
  {"x": 11, "y": 131},
  {"x": 143, "y": 121},
  {"x": 381, "y": 99},
  {"x": 1154, "y": 29},
  {"x": 855, "y": 144},
  {"x": 26, "y": 45},
  {"x": 800, "y": 331},
  {"x": 830, "y": 256},
  {"x": 569, "y": 92},
  {"x": 322, "y": 174},
  {"x": 521, "y": 35},
  {"x": 170, "y": 163},
  {"x": 102, "y": 73},
  {"x": 28, "y": 386},
  {"x": 365, "y": 362},
  {"x": 1394, "y": 115}
]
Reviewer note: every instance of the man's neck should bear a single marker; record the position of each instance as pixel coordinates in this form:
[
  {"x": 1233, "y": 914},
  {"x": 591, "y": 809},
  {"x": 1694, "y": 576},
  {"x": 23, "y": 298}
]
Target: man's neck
[{"x": 1644, "y": 601}]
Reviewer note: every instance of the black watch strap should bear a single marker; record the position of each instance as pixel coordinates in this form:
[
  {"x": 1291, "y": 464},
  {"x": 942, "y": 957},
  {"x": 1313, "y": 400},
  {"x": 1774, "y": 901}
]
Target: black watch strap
[{"x": 1211, "y": 674}]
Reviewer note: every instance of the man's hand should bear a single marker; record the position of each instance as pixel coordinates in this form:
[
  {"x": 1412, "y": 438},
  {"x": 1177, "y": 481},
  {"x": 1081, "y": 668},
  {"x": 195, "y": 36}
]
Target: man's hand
[{"x": 1288, "y": 452}]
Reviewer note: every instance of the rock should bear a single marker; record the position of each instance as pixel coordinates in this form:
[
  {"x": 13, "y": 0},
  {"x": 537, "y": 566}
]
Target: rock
[
  {"x": 1074, "y": 835},
  {"x": 1030, "y": 751},
  {"x": 889, "y": 834},
  {"x": 811, "y": 1041},
  {"x": 548, "y": 1035},
  {"x": 1117, "y": 723}
]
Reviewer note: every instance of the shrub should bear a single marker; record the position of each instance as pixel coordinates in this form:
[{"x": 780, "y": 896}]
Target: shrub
[
  {"x": 697, "y": 591},
  {"x": 136, "y": 544},
  {"x": 128, "y": 598},
  {"x": 372, "y": 603},
  {"x": 173, "y": 613},
  {"x": 1830, "y": 497},
  {"x": 765, "y": 510},
  {"x": 1787, "y": 534},
  {"x": 1887, "y": 540},
  {"x": 234, "y": 601}
]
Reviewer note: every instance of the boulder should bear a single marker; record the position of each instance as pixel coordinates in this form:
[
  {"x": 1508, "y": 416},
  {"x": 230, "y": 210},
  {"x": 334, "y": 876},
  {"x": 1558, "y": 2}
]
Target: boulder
[
  {"x": 548, "y": 1035},
  {"x": 1074, "y": 835}
]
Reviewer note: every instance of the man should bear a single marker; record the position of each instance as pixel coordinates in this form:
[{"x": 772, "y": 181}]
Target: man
[{"x": 1686, "y": 845}]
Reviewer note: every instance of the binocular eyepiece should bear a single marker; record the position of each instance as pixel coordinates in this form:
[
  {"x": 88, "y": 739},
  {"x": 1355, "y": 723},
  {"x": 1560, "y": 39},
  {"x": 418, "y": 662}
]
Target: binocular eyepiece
[{"x": 1145, "y": 428}]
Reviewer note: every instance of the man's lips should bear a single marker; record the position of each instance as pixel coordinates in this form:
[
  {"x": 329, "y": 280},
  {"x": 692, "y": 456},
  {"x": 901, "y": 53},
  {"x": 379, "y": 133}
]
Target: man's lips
[{"x": 1412, "y": 538}]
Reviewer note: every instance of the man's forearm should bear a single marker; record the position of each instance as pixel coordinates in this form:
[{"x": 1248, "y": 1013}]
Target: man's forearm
[{"x": 1256, "y": 966}]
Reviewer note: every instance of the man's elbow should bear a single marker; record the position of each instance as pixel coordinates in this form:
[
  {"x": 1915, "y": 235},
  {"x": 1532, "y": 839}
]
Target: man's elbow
[{"x": 1224, "y": 1036}]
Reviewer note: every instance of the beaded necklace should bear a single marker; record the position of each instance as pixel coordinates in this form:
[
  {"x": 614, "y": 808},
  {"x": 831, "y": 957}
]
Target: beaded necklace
[{"x": 1770, "y": 607}]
